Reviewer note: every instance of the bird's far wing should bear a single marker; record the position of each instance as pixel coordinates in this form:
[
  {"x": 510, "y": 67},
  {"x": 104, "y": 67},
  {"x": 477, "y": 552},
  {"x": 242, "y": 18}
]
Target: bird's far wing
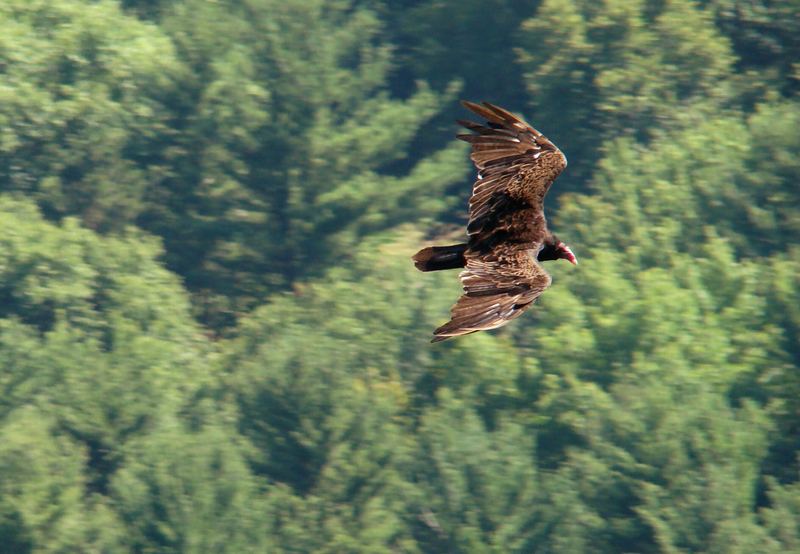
[
  {"x": 516, "y": 164},
  {"x": 497, "y": 289}
]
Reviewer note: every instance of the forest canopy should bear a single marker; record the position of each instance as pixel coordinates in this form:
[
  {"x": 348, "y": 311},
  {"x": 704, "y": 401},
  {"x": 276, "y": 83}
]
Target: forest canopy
[{"x": 213, "y": 338}]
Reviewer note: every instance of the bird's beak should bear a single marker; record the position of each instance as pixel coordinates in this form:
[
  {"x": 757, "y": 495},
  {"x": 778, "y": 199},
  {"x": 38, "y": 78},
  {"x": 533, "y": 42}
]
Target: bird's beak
[{"x": 567, "y": 254}]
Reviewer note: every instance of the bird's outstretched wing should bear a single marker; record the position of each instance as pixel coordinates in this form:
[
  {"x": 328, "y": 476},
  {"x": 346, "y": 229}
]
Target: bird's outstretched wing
[
  {"x": 516, "y": 166},
  {"x": 497, "y": 288}
]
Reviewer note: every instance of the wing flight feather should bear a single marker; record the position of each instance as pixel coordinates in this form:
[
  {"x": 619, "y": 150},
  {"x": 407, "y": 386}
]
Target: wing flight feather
[
  {"x": 496, "y": 290},
  {"x": 513, "y": 160}
]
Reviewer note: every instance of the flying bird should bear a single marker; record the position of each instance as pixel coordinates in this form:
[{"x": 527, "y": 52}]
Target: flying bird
[{"x": 507, "y": 231}]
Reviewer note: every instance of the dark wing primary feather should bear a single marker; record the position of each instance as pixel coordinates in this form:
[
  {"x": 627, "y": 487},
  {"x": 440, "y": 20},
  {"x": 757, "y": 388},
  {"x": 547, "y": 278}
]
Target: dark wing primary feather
[
  {"x": 516, "y": 166},
  {"x": 497, "y": 288}
]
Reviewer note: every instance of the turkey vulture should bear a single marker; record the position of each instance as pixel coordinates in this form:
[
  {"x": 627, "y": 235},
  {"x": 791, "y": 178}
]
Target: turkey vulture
[{"x": 507, "y": 230}]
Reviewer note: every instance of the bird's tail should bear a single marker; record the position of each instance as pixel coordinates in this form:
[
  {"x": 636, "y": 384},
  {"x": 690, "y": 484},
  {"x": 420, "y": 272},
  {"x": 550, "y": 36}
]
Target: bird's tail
[{"x": 435, "y": 258}]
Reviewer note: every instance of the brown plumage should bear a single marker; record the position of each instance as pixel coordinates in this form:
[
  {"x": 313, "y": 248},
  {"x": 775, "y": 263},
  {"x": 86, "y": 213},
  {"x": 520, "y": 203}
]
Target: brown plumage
[{"x": 508, "y": 234}]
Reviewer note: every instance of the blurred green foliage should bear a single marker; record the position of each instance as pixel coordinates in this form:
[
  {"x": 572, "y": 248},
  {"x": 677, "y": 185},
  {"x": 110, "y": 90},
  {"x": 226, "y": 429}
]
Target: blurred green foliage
[{"x": 212, "y": 338}]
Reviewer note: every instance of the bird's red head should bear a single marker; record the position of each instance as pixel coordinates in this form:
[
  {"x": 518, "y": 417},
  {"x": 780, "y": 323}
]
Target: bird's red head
[
  {"x": 566, "y": 254},
  {"x": 556, "y": 250}
]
